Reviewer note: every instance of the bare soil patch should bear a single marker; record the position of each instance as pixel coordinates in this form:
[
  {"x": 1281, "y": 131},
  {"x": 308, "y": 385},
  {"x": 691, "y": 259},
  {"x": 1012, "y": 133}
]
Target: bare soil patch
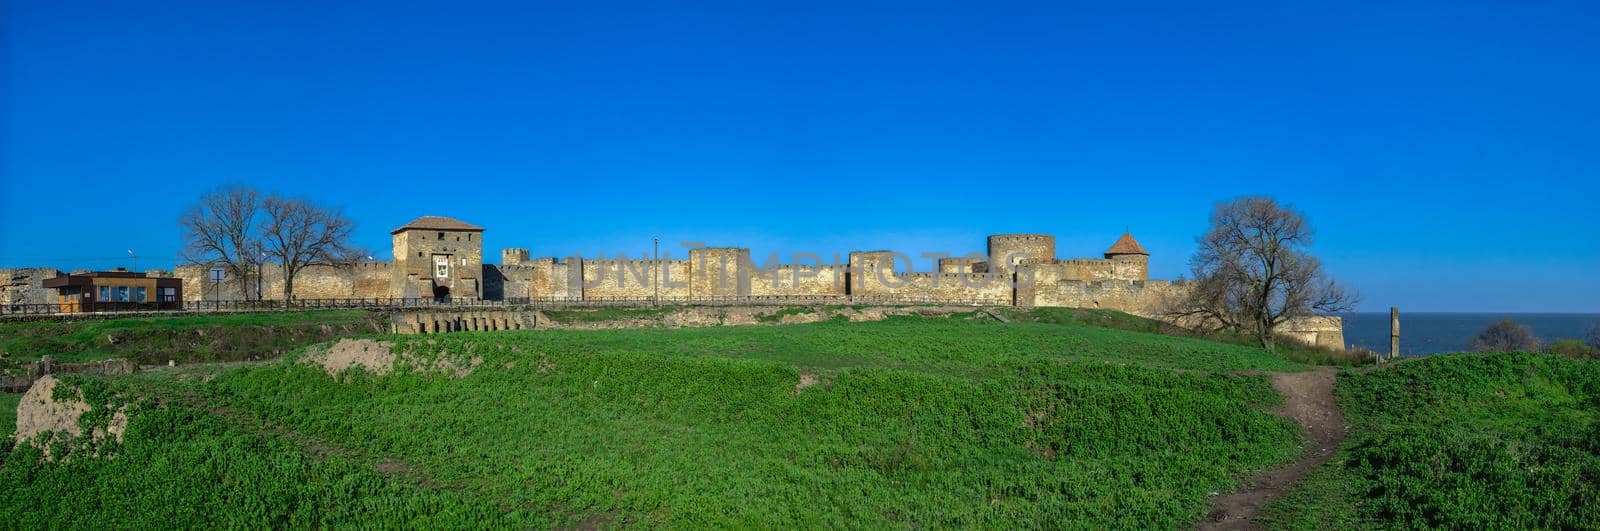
[{"x": 376, "y": 357}]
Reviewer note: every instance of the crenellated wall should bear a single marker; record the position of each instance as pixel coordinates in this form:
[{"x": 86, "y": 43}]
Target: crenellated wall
[
  {"x": 1006, "y": 250},
  {"x": 719, "y": 272},
  {"x": 1018, "y": 269}
]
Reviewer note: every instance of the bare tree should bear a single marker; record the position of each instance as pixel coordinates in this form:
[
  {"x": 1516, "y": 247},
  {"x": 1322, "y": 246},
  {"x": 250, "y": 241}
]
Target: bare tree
[
  {"x": 1253, "y": 272},
  {"x": 1506, "y": 336},
  {"x": 221, "y": 230},
  {"x": 299, "y": 234}
]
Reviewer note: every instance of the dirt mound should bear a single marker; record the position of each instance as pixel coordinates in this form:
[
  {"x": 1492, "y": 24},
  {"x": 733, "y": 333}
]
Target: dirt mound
[
  {"x": 42, "y": 419},
  {"x": 1308, "y": 400},
  {"x": 378, "y": 357},
  {"x": 40, "y": 416}
]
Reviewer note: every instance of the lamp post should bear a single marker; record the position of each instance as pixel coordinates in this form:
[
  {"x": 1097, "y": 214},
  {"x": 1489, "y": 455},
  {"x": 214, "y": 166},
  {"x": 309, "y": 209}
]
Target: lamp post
[
  {"x": 261, "y": 260},
  {"x": 135, "y": 260},
  {"x": 656, "y": 263}
]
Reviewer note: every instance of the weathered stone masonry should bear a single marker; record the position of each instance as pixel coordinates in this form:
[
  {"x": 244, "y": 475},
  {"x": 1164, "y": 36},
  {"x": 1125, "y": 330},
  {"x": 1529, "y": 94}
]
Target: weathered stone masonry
[{"x": 443, "y": 257}]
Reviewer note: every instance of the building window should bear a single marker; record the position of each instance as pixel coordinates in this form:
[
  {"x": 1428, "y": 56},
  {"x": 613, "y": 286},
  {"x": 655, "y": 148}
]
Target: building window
[
  {"x": 441, "y": 236},
  {"x": 120, "y": 294},
  {"x": 105, "y": 293},
  {"x": 138, "y": 294},
  {"x": 167, "y": 294}
]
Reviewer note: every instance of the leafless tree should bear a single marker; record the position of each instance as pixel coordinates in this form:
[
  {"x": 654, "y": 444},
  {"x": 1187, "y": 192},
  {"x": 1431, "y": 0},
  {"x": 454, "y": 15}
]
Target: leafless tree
[
  {"x": 1506, "y": 336},
  {"x": 222, "y": 230},
  {"x": 1254, "y": 272},
  {"x": 298, "y": 234}
]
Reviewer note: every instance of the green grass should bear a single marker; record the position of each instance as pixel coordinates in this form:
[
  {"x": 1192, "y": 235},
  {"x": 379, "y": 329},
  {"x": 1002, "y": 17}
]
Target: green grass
[
  {"x": 1462, "y": 441},
  {"x": 154, "y": 340},
  {"x": 1289, "y": 348},
  {"x": 8, "y": 414},
  {"x": 584, "y": 315},
  {"x": 911, "y": 422}
]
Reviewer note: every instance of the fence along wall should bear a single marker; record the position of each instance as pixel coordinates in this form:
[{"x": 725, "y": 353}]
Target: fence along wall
[{"x": 365, "y": 280}]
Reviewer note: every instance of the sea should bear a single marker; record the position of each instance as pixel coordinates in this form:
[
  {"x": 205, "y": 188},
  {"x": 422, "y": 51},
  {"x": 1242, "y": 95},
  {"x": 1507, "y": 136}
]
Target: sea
[{"x": 1432, "y": 333}]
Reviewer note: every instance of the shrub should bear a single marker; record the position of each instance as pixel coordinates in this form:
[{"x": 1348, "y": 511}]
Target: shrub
[
  {"x": 1506, "y": 336},
  {"x": 1573, "y": 348}
]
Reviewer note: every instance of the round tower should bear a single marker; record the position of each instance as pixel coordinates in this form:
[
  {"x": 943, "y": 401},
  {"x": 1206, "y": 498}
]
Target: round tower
[
  {"x": 1129, "y": 259},
  {"x": 1006, "y": 250}
]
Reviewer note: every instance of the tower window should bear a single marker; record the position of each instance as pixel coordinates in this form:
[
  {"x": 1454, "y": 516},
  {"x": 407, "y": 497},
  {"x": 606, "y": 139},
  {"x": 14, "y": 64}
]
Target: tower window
[{"x": 441, "y": 236}]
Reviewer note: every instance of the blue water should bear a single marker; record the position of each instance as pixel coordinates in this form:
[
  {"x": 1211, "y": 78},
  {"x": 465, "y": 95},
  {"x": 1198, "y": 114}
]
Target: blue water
[{"x": 1432, "y": 333}]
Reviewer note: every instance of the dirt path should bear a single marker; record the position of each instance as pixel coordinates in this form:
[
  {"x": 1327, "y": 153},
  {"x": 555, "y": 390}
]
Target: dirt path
[{"x": 1308, "y": 400}]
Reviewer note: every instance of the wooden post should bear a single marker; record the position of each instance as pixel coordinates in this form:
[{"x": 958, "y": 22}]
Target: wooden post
[{"x": 1394, "y": 333}]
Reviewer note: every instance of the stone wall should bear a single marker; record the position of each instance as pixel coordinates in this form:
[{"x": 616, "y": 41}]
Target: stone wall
[
  {"x": 1006, "y": 250},
  {"x": 365, "y": 280},
  {"x": 1327, "y": 332},
  {"x": 1138, "y": 297},
  {"x": 514, "y": 256},
  {"x": 798, "y": 281},
  {"x": 414, "y": 251},
  {"x": 955, "y": 288},
  {"x": 719, "y": 272},
  {"x": 963, "y": 264},
  {"x": 26, "y": 286},
  {"x": 636, "y": 279}
]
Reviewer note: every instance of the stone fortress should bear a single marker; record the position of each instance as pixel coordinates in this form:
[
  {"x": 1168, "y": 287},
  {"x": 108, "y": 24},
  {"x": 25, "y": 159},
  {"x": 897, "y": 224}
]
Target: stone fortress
[{"x": 441, "y": 258}]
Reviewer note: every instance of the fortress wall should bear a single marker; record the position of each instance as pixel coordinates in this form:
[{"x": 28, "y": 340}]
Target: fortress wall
[
  {"x": 553, "y": 279},
  {"x": 719, "y": 272},
  {"x": 1137, "y": 297},
  {"x": 1086, "y": 269},
  {"x": 542, "y": 278},
  {"x": 960, "y": 264},
  {"x": 365, "y": 280},
  {"x": 1130, "y": 267},
  {"x": 1006, "y": 250},
  {"x": 26, "y": 285},
  {"x": 988, "y": 288},
  {"x": 1326, "y": 331},
  {"x": 514, "y": 256},
  {"x": 812, "y": 281},
  {"x": 635, "y": 279},
  {"x": 198, "y": 287}
]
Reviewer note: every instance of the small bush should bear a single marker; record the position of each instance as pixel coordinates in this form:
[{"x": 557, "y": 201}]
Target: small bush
[
  {"x": 1506, "y": 336},
  {"x": 1573, "y": 348}
]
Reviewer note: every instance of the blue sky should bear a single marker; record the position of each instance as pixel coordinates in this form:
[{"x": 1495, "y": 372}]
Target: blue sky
[{"x": 1447, "y": 152}]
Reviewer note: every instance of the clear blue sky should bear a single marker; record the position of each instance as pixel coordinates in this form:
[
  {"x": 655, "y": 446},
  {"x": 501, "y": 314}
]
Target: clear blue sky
[{"x": 1448, "y": 152}]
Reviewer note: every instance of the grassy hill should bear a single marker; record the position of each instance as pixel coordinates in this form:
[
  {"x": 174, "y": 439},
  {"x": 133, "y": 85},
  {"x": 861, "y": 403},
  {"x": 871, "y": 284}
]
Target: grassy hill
[
  {"x": 186, "y": 339},
  {"x": 1063, "y": 418},
  {"x": 912, "y": 421},
  {"x": 1467, "y": 441}
]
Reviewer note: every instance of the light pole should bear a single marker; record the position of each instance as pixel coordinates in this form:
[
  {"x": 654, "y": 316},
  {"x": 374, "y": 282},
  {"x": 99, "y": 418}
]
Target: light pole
[
  {"x": 135, "y": 260},
  {"x": 261, "y": 260},
  {"x": 656, "y": 242}
]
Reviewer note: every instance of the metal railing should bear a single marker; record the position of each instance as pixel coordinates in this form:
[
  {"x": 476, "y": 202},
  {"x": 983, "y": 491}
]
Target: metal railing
[{"x": 527, "y": 302}]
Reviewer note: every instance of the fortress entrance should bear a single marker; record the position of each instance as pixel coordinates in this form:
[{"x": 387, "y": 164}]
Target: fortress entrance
[{"x": 441, "y": 294}]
